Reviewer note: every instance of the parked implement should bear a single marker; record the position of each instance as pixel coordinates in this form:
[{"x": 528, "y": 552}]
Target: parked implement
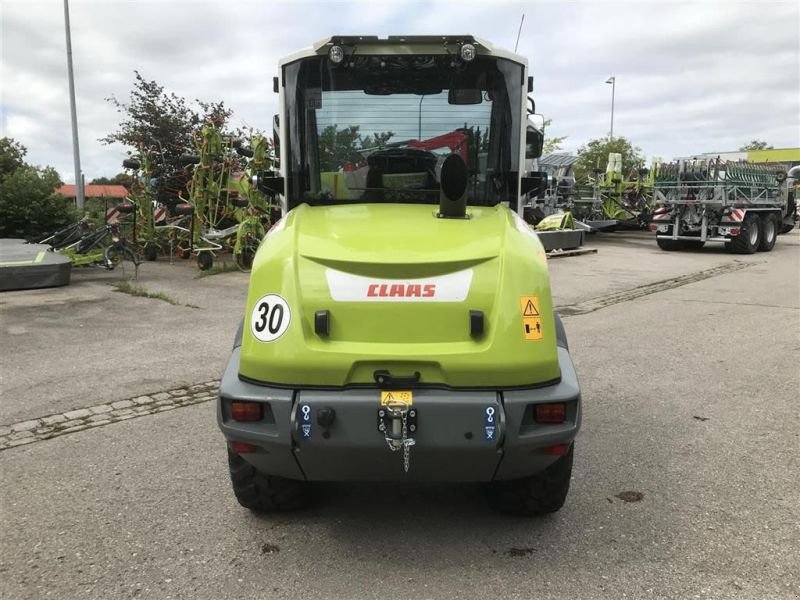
[
  {"x": 743, "y": 205},
  {"x": 399, "y": 325}
]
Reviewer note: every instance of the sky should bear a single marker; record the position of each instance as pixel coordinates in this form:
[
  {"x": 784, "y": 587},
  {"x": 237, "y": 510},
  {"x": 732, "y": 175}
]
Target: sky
[{"x": 691, "y": 77}]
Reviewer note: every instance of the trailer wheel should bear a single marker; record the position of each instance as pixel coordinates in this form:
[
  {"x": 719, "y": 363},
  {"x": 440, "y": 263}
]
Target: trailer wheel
[
  {"x": 670, "y": 245},
  {"x": 768, "y": 233},
  {"x": 264, "y": 493},
  {"x": 205, "y": 261},
  {"x": 748, "y": 240},
  {"x": 151, "y": 252},
  {"x": 539, "y": 494}
]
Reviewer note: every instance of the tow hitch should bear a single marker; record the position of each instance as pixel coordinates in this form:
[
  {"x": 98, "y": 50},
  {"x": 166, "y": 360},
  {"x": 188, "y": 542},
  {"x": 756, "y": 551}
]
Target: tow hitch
[{"x": 398, "y": 424}]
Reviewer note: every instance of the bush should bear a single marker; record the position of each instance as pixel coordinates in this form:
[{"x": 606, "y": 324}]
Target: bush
[{"x": 28, "y": 207}]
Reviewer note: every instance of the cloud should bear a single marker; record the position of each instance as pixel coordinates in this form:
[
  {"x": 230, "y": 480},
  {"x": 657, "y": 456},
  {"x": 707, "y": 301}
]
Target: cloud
[{"x": 691, "y": 76}]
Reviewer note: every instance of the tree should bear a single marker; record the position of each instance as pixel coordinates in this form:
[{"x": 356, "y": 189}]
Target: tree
[
  {"x": 29, "y": 207},
  {"x": 551, "y": 144},
  {"x": 339, "y": 146},
  {"x": 118, "y": 179},
  {"x": 12, "y": 156},
  {"x": 594, "y": 156},
  {"x": 164, "y": 126},
  {"x": 755, "y": 145}
]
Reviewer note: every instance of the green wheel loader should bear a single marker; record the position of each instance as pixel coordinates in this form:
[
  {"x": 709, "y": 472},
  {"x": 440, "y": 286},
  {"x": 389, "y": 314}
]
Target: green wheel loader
[{"x": 399, "y": 324}]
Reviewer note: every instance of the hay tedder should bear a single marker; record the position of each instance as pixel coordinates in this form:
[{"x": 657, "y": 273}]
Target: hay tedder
[
  {"x": 743, "y": 205},
  {"x": 610, "y": 201},
  {"x": 226, "y": 210}
]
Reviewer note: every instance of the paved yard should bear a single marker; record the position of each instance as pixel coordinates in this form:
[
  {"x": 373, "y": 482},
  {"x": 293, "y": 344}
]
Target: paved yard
[{"x": 690, "y": 366}]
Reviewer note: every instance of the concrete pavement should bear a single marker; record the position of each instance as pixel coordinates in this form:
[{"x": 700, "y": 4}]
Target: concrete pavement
[{"x": 690, "y": 397}]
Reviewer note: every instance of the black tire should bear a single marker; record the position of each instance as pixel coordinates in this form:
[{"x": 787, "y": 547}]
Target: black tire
[
  {"x": 244, "y": 260},
  {"x": 264, "y": 493},
  {"x": 670, "y": 245},
  {"x": 539, "y": 494},
  {"x": 151, "y": 252},
  {"x": 768, "y": 233},
  {"x": 749, "y": 237},
  {"x": 561, "y": 333},
  {"x": 205, "y": 261}
]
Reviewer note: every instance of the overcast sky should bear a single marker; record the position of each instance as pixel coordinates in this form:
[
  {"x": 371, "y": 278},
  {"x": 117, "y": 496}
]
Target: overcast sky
[{"x": 691, "y": 77}]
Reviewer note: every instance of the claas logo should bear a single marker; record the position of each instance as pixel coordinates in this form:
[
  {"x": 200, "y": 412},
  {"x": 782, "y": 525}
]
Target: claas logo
[{"x": 401, "y": 290}]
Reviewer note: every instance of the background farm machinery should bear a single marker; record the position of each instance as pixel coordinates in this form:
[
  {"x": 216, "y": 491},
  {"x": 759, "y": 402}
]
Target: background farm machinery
[
  {"x": 741, "y": 204},
  {"x": 208, "y": 207}
]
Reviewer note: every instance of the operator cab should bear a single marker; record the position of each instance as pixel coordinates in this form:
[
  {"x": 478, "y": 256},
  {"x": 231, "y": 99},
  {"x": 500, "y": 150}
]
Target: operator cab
[{"x": 367, "y": 120}]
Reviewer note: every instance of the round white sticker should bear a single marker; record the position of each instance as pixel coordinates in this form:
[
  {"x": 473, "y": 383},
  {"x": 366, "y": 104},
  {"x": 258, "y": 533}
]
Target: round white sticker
[{"x": 270, "y": 318}]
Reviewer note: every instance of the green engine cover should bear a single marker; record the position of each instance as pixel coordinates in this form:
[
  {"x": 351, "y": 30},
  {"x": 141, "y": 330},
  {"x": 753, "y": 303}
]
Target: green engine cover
[{"x": 339, "y": 292}]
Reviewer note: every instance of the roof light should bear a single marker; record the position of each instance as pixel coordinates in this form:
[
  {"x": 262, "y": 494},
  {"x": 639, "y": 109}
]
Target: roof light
[
  {"x": 468, "y": 52},
  {"x": 336, "y": 54}
]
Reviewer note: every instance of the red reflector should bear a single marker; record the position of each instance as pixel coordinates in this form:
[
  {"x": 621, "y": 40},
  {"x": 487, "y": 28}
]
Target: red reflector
[
  {"x": 246, "y": 411},
  {"x": 243, "y": 447},
  {"x": 550, "y": 413},
  {"x": 556, "y": 450},
  {"x": 653, "y": 227},
  {"x": 735, "y": 231}
]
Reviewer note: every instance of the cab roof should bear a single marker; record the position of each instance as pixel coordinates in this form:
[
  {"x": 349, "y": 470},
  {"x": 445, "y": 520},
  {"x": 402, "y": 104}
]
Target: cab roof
[{"x": 404, "y": 44}]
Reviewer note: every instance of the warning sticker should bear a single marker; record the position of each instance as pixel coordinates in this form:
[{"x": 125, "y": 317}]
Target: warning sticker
[
  {"x": 397, "y": 398},
  {"x": 531, "y": 317},
  {"x": 529, "y": 305},
  {"x": 532, "y": 327}
]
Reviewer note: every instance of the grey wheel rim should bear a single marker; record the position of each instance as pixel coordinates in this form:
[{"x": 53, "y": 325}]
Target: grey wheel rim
[
  {"x": 769, "y": 231},
  {"x": 753, "y": 234}
]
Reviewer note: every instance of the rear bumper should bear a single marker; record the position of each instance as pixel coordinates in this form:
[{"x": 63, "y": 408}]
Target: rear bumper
[{"x": 452, "y": 440}]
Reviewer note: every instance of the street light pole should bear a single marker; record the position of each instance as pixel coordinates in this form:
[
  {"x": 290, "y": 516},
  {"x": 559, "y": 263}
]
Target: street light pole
[
  {"x": 613, "y": 81},
  {"x": 74, "y": 113}
]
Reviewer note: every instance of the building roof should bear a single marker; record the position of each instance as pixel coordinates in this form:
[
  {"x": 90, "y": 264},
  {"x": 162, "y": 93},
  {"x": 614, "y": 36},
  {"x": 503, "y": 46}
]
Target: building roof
[
  {"x": 94, "y": 191},
  {"x": 558, "y": 160}
]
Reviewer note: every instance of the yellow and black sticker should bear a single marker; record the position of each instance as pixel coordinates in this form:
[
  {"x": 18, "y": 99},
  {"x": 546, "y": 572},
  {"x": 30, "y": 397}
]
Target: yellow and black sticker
[
  {"x": 397, "y": 398},
  {"x": 531, "y": 317}
]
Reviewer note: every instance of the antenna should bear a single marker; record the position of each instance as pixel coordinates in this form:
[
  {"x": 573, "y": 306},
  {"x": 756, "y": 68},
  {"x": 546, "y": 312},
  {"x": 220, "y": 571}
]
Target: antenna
[{"x": 521, "y": 21}]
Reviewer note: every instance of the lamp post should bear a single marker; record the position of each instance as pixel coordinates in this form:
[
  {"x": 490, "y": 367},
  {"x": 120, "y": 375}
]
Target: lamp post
[
  {"x": 613, "y": 81},
  {"x": 76, "y": 153}
]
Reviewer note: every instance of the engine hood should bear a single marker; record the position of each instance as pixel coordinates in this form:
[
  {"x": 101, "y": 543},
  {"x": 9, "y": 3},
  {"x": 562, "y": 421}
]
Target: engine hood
[{"x": 340, "y": 292}]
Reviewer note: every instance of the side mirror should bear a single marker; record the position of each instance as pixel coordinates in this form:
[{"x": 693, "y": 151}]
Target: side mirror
[
  {"x": 276, "y": 139},
  {"x": 270, "y": 184},
  {"x": 535, "y": 183},
  {"x": 534, "y": 142},
  {"x": 464, "y": 96}
]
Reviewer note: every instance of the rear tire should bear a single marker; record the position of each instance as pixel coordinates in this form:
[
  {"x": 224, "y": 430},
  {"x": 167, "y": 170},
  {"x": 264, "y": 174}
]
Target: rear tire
[
  {"x": 768, "y": 233},
  {"x": 264, "y": 493},
  {"x": 539, "y": 494},
  {"x": 749, "y": 238},
  {"x": 670, "y": 245}
]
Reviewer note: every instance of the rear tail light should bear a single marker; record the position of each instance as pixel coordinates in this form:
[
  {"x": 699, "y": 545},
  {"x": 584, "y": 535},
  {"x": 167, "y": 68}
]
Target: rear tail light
[
  {"x": 247, "y": 411},
  {"x": 243, "y": 447},
  {"x": 550, "y": 413}
]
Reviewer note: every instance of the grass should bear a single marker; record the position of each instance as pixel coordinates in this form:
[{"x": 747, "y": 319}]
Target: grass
[
  {"x": 126, "y": 287},
  {"x": 223, "y": 267}
]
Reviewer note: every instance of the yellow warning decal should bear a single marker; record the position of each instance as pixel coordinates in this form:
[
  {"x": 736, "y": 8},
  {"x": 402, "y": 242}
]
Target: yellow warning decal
[
  {"x": 531, "y": 317},
  {"x": 397, "y": 398}
]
